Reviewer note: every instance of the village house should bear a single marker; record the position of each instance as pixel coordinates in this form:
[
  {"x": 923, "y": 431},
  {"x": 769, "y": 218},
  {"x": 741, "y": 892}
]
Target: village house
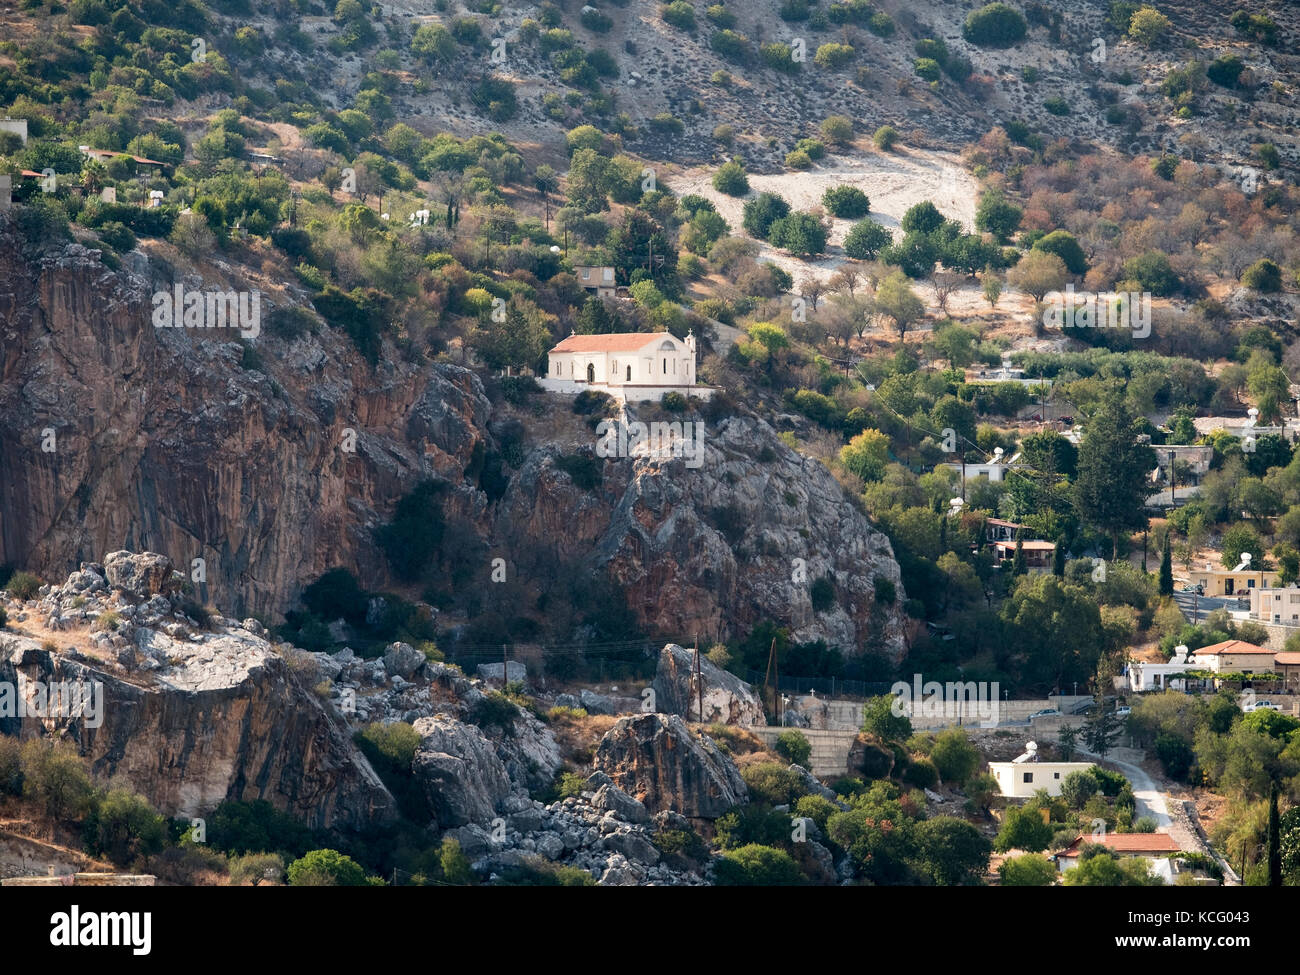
[
  {"x": 1287, "y": 666},
  {"x": 598, "y": 281},
  {"x": 1039, "y": 554},
  {"x": 1145, "y": 676},
  {"x": 1024, "y": 775},
  {"x": 1276, "y": 605},
  {"x": 995, "y": 468},
  {"x": 1232, "y": 657},
  {"x": 1154, "y": 846},
  {"x": 630, "y": 366},
  {"x": 142, "y": 165},
  {"x": 1215, "y": 580}
]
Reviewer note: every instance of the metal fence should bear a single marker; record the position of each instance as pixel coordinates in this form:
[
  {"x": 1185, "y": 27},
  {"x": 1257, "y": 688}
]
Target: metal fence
[{"x": 835, "y": 687}]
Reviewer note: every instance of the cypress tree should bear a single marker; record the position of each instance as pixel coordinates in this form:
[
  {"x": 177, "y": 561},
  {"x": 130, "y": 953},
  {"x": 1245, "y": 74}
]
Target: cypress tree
[{"x": 1167, "y": 570}]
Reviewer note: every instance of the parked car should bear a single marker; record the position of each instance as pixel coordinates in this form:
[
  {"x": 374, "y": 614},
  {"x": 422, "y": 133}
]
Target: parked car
[
  {"x": 1123, "y": 712},
  {"x": 1262, "y": 706},
  {"x": 1045, "y": 713}
]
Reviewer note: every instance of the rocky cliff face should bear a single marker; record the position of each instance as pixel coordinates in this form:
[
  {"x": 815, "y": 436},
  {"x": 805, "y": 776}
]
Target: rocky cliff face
[
  {"x": 709, "y": 550},
  {"x": 188, "y": 717},
  {"x": 114, "y": 434},
  {"x": 657, "y": 760}
]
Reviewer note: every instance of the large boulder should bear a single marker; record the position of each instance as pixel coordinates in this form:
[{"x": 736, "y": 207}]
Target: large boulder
[
  {"x": 402, "y": 659},
  {"x": 143, "y": 574},
  {"x": 727, "y": 698},
  {"x": 457, "y": 767},
  {"x": 656, "y": 759}
]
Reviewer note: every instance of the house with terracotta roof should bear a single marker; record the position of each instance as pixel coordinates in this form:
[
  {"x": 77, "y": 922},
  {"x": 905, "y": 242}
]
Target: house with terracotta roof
[
  {"x": 1287, "y": 665},
  {"x": 630, "y": 366},
  {"x": 1232, "y": 657},
  {"x": 1152, "y": 845}
]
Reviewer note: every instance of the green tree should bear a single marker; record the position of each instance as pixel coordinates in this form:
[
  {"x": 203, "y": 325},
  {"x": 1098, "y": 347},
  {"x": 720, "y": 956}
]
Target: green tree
[
  {"x": 1147, "y": 26},
  {"x": 879, "y": 719},
  {"x": 55, "y": 777},
  {"x": 1107, "y": 870},
  {"x": 952, "y": 851},
  {"x": 1027, "y": 870},
  {"x": 1078, "y": 787},
  {"x": 1064, "y": 245},
  {"x": 757, "y": 866},
  {"x": 1101, "y": 727},
  {"x": 954, "y": 756},
  {"x": 1239, "y": 539},
  {"x": 847, "y": 202},
  {"x": 1019, "y": 566},
  {"x": 895, "y": 299},
  {"x": 731, "y": 179},
  {"x": 997, "y": 215},
  {"x": 1274, "y": 839},
  {"x": 326, "y": 868},
  {"x": 866, "y": 455},
  {"x": 1111, "y": 488},
  {"x": 801, "y": 234},
  {"x": 995, "y": 25},
  {"x": 866, "y": 239},
  {"x": 518, "y": 340},
  {"x": 124, "y": 826},
  {"x": 761, "y": 212},
  {"x": 1167, "y": 569},
  {"x": 793, "y": 746},
  {"x": 1023, "y": 829},
  {"x": 1067, "y": 741}
]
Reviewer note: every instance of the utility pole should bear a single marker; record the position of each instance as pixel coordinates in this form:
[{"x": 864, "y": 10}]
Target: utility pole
[{"x": 771, "y": 658}]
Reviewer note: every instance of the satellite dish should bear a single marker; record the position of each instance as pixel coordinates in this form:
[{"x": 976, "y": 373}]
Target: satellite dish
[{"x": 1244, "y": 564}]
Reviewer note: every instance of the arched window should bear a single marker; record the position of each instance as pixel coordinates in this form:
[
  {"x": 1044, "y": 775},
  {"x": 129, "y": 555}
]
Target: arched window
[{"x": 591, "y": 372}]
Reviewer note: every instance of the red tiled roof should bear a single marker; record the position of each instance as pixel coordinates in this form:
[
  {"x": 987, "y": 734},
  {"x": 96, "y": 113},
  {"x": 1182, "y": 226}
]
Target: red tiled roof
[
  {"x": 1127, "y": 843},
  {"x": 616, "y": 342},
  {"x": 1288, "y": 658},
  {"x": 1231, "y": 646}
]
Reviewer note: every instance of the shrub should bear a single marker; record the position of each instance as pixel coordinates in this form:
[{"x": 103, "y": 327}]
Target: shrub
[
  {"x": 995, "y": 25},
  {"x": 847, "y": 202},
  {"x": 837, "y": 130},
  {"x": 1147, "y": 26},
  {"x": 326, "y": 868},
  {"x": 801, "y": 234},
  {"x": 1078, "y": 788},
  {"x": 866, "y": 239},
  {"x": 1057, "y": 105},
  {"x": 679, "y": 14},
  {"x": 1029, "y": 870},
  {"x": 833, "y": 56},
  {"x": 886, "y": 138},
  {"x": 955, "y": 758},
  {"x": 761, "y": 212},
  {"x": 731, "y": 45},
  {"x": 1263, "y": 275},
  {"x": 757, "y": 866},
  {"x": 927, "y": 68},
  {"x": 773, "y": 783},
  {"x": 798, "y": 159},
  {"x": 779, "y": 56},
  {"x": 793, "y": 746},
  {"x": 730, "y": 179},
  {"x": 23, "y": 586},
  {"x": 921, "y": 773}
]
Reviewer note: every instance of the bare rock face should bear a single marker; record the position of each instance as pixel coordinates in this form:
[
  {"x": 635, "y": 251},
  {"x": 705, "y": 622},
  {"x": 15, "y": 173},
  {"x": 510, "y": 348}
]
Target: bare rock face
[
  {"x": 463, "y": 779},
  {"x": 727, "y": 698},
  {"x": 220, "y": 716},
  {"x": 716, "y": 548},
  {"x": 656, "y": 759},
  {"x": 142, "y": 575},
  {"x": 167, "y": 442}
]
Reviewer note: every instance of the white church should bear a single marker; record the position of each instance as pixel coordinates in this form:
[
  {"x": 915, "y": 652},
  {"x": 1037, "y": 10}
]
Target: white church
[{"x": 630, "y": 366}]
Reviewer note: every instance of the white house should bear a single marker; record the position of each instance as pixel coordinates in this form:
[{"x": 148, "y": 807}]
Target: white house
[
  {"x": 630, "y": 366},
  {"x": 1144, "y": 676},
  {"x": 1024, "y": 775},
  {"x": 994, "y": 468}
]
